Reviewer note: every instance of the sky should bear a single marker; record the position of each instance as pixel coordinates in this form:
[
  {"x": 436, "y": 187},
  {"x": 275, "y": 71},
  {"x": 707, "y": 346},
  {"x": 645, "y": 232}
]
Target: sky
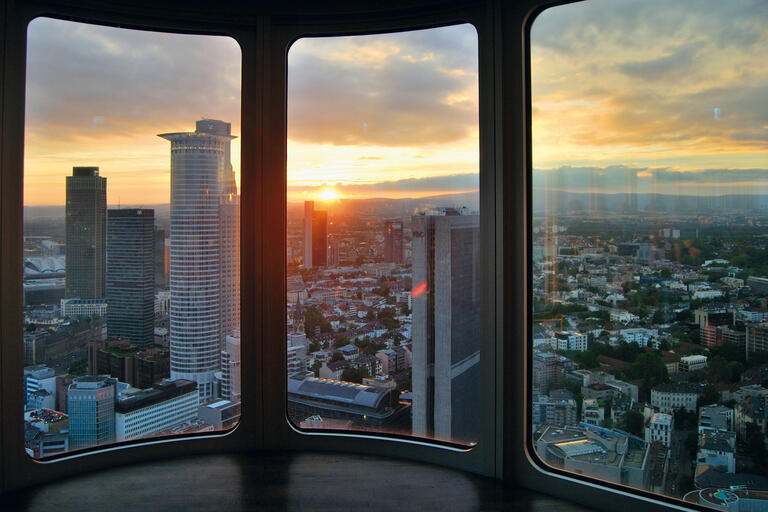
[
  {"x": 674, "y": 92},
  {"x": 667, "y": 91}
]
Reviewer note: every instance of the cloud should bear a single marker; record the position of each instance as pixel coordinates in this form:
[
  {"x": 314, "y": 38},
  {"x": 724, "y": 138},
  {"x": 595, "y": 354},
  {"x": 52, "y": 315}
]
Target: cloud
[
  {"x": 387, "y": 90},
  {"x": 676, "y": 64},
  {"x": 87, "y": 81},
  {"x": 416, "y": 186},
  {"x": 619, "y": 179},
  {"x": 626, "y": 81}
]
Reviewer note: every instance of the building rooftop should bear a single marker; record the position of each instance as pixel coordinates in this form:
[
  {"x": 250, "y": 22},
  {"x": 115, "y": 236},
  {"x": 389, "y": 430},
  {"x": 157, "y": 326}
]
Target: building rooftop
[
  {"x": 133, "y": 400},
  {"x": 335, "y": 390}
]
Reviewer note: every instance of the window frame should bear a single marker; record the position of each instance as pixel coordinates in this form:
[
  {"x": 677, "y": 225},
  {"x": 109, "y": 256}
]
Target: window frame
[{"x": 265, "y": 31}]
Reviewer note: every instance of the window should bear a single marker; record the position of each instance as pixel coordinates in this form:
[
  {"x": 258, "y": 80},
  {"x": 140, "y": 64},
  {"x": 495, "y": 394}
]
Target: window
[
  {"x": 383, "y": 234},
  {"x": 648, "y": 269},
  {"x": 131, "y": 258}
]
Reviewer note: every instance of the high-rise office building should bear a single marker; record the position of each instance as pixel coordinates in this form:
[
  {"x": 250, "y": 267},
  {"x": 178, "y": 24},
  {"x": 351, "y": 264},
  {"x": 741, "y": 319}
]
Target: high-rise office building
[
  {"x": 230, "y": 368},
  {"x": 204, "y": 252},
  {"x": 446, "y": 322},
  {"x": 131, "y": 275},
  {"x": 91, "y": 408},
  {"x": 161, "y": 279},
  {"x": 86, "y": 232},
  {"x": 393, "y": 241},
  {"x": 334, "y": 251},
  {"x": 315, "y": 236}
]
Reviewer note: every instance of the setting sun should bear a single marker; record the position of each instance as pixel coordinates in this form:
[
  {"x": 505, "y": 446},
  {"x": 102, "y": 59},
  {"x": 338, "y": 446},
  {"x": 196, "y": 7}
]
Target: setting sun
[{"x": 328, "y": 194}]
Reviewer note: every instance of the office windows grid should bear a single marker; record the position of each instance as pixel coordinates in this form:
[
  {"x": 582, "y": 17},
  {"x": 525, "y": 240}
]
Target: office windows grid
[
  {"x": 114, "y": 351},
  {"x": 647, "y": 257}
]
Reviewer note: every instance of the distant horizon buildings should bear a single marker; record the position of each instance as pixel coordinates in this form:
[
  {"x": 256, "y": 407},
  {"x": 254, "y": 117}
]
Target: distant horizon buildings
[
  {"x": 445, "y": 326},
  {"x": 315, "y": 236},
  {"x": 86, "y": 234},
  {"x": 204, "y": 252},
  {"x": 131, "y": 275}
]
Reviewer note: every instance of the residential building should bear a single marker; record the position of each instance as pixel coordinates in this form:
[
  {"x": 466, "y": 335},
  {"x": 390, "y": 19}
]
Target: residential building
[
  {"x": 716, "y": 417},
  {"x": 547, "y": 371},
  {"x": 757, "y": 338},
  {"x": 550, "y": 411},
  {"x": 571, "y": 340},
  {"x": 717, "y": 449},
  {"x": 83, "y": 307},
  {"x": 669, "y": 397},
  {"x": 592, "y": 412},
  {"x": 691, "y": 363},
  {"x": 660, "y": 429}
]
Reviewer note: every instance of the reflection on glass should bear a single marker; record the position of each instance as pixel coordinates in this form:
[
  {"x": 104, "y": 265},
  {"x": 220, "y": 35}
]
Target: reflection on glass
[
  {"x": 383, "y": 224},
  {"x": 131, "y": 303},
  {"x": 650, "y": 277}
]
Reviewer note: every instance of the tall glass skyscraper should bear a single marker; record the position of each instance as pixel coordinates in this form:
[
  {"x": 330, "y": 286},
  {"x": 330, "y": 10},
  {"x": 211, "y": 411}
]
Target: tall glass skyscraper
[
  {"x": 86, "y": 232},
  {"x": 315, "y": 236},
  {"x": 204, "y": 251},
  {"x": 131, "y": 275},
  {"x": 446, "y": 323}
]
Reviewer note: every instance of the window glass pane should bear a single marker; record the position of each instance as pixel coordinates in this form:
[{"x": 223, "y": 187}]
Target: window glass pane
[
  {"x": 131, "y": 244},
  {"x": 649, "y": 251},
  {"x": 383, "y": 226}
]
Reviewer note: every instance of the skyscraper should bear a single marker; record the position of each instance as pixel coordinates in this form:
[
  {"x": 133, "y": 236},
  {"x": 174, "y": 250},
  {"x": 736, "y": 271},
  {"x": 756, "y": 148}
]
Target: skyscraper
[
  {"x": 315, "y": 236},
  {"x": 393, "y": 241},
  {"x": 446, "y": 322},
  {"x": 204, "y": 251},
  {"x": 131, "y": 275},
  {"x": 86, "y": 232}
]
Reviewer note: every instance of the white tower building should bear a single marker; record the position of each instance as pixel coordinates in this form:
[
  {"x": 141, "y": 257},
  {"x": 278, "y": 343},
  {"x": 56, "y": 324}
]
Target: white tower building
[{"x": 202, "y": 191}]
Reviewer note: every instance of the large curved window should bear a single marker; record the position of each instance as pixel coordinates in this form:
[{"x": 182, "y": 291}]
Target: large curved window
[
  {"x": 131, "y": 244},
  {"x": 383, "y": 228},
  {"x": 648, "y": 261}
]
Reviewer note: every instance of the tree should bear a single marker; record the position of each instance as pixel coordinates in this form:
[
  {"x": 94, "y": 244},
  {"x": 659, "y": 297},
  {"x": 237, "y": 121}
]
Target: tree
[
  {"x": 314, "y": 318},
  {"x": 340, "y": 340},
  {"x": 316, "y": 368},
  {"x": 351, "y": 374},
  {"x": 587, "y": 359},
  {"x": 633, "y": 423},
  {"x": 709, "y": 396},
  {"x": 337, "y": 356},
  {"x": 756, "y": 446},
  {"x": 31, "y": 327}
]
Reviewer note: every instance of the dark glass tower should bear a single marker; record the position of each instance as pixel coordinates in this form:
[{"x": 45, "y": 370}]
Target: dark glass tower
[
  {"x": 393, "y": 241},
  {"x": 319, "y": 238},
  {"x": 86, "y": 227},
  {"x": 131, "y": 275},
  {"x": 446, "y": 323}
]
